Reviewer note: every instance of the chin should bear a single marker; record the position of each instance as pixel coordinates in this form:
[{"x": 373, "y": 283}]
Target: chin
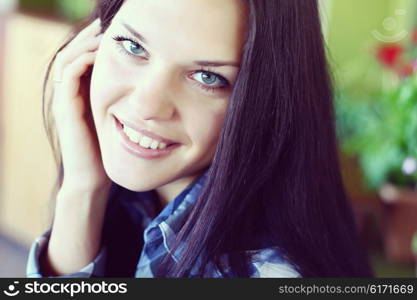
[
  {"x": 134, "y": 183},
  {"x": 134, "y": 186}
]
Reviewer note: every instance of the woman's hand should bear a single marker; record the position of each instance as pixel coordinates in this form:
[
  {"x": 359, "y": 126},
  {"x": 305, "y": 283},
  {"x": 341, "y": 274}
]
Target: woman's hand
[
  {"x": 83, "y": 168},
  {"x": 81, "y": 201}
]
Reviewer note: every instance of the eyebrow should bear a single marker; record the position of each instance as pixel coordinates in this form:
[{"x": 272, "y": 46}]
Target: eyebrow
[
  {"x": 206, "y": 63},
  {"x": 203, "y": 63},
  {"x": 134, "y": 32}
]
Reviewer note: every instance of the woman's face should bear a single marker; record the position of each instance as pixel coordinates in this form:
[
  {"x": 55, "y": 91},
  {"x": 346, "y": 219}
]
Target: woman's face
[{"x": 166, "y": 67}]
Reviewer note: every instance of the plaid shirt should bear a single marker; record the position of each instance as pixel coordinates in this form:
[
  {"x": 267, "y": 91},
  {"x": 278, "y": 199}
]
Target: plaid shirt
[{"x": 137, "y": 234}]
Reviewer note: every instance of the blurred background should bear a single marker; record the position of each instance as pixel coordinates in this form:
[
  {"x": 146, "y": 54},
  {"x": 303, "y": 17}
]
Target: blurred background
[{"x": 372, "y": 52}]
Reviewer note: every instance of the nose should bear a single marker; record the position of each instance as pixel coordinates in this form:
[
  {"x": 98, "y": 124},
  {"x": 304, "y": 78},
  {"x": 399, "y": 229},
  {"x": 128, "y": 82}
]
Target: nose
[{"x": 152, "y": 94}]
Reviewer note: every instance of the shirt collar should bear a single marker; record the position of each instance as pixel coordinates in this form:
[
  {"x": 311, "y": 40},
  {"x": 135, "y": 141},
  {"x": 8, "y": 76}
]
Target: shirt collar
[{"x": 175, "y": 211}]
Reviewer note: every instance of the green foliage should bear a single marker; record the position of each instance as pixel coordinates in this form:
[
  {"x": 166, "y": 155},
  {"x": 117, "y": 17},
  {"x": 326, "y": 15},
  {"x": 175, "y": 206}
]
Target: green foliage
[
  {"x": 44, "y": 7},
  {"x": 75, "y": 10},
  {"x": 381, "y": 132},
  {"x": 69, "y": 10}
]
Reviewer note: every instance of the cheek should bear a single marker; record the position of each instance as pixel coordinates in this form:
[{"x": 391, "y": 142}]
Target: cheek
[
  {"x": 206, "y": 135},
  {"x": 105, "y": 79}
]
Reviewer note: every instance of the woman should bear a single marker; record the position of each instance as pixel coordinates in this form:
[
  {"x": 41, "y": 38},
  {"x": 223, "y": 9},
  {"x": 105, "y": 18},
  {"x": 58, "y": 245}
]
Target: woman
[{"x": 206, "y": 128}]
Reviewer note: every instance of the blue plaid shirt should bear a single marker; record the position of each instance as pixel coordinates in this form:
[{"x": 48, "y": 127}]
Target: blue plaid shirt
[{"x": 137, "y": 234}]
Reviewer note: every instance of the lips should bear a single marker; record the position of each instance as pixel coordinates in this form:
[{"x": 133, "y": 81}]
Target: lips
[
  {"x": 148, "y": 133},
  {"x": 139, "y": 151}
]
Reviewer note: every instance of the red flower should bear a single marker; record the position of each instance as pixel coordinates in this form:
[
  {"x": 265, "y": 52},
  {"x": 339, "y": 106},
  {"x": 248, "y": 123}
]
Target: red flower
[{"x": 388, "y": 55}]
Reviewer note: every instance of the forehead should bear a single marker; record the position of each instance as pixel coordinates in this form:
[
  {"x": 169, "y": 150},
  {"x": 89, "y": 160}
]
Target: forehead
[{"x": 206, "y": 29}]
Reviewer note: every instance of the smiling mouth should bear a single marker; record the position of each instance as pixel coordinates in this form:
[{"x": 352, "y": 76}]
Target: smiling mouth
[
  {"x": 141, "y": 152},
  {"x": 142, "y": 140}
]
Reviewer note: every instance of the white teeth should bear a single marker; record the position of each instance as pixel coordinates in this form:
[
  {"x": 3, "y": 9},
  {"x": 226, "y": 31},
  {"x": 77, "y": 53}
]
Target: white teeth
[
  {"x": 145, "y": 142},
  {"x": 142, "y": 140},
  {"x": 133, "y": 135},
  {"x": 154, "y": 144}
]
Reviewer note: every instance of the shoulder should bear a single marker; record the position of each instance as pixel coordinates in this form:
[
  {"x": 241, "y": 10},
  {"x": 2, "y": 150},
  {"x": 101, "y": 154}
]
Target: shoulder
[
  {"x": 270, "y": 263},
  {"x": 263, "y": 263}
]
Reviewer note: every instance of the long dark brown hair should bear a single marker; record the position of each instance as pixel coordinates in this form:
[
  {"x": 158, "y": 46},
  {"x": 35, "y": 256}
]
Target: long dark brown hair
[{"x": 275, "y": 178}]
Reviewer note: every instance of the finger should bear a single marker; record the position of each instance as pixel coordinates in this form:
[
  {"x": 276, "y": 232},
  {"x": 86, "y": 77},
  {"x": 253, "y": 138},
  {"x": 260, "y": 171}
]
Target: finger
[
  {"x": 74, "y": 51},
  {"x": 91, "y": 30},
  {"x": 73, "y": 72}
]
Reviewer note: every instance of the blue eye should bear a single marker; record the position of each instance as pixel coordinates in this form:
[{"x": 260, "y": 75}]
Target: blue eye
[
  {"x": 210, "y": 80},
  {"x": 133, "y": 48},
  {"x": 207, "y": 80},
  {"x": 130, "y": 47}
]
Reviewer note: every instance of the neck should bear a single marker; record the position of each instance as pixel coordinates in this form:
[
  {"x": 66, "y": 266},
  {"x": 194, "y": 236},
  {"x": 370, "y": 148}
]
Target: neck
[{"x": 170, "y": 191}]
